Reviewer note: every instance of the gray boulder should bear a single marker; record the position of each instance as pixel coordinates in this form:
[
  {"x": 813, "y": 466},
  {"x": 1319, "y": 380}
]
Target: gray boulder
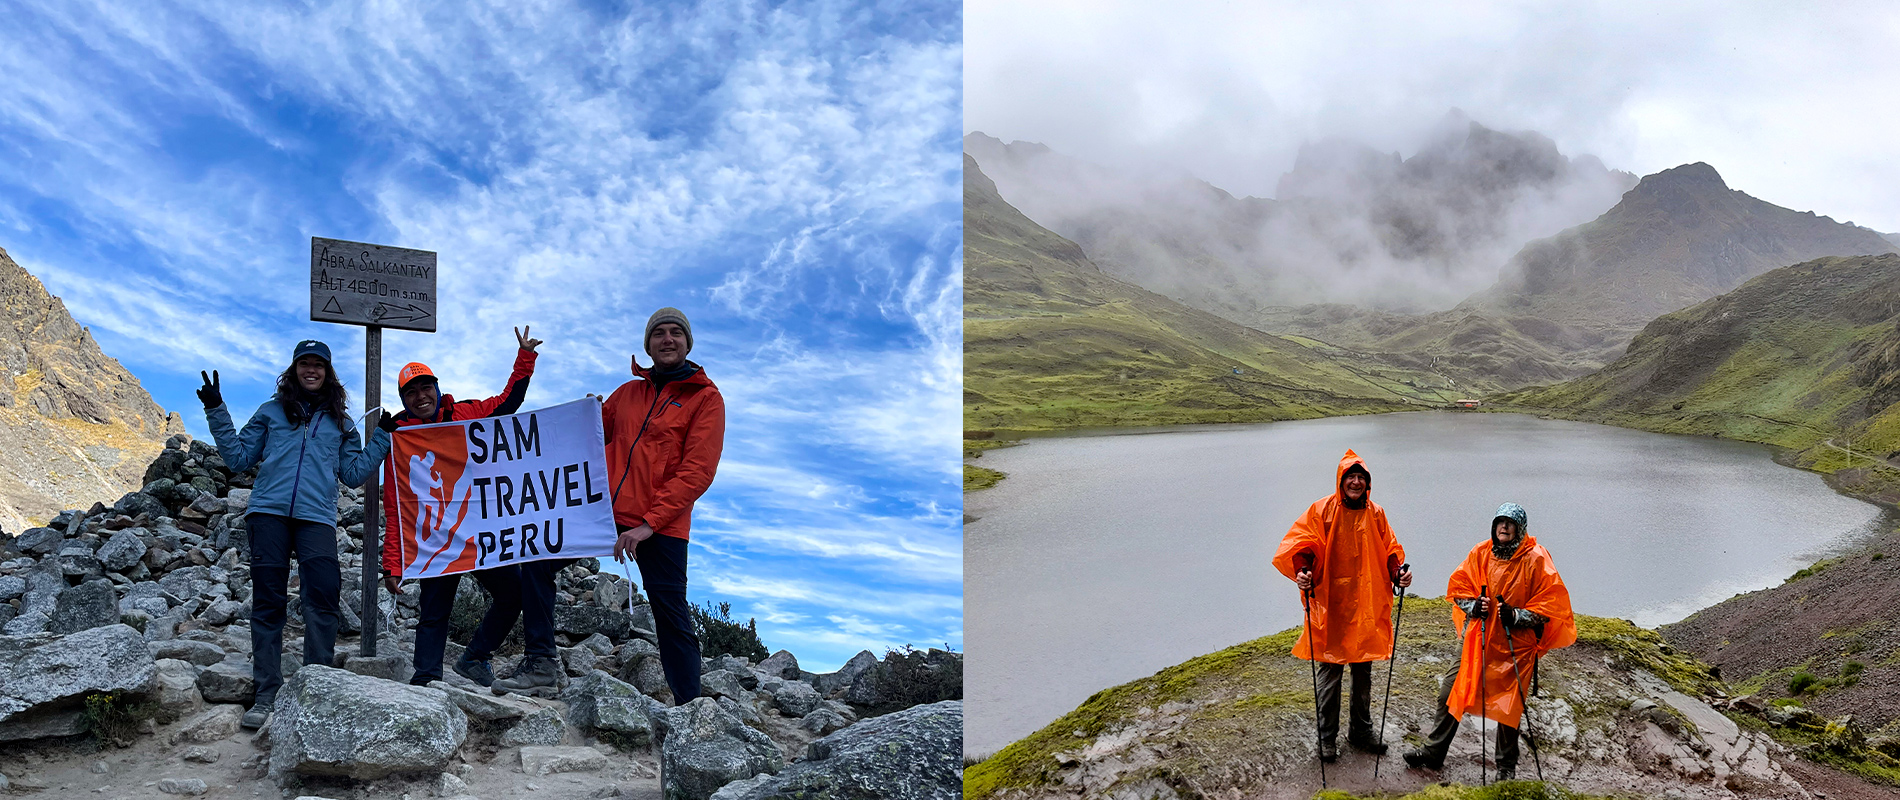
[
  {"x": 914, "y": 754},
  {"x": 236, "y": 502},
  {"x": 175, "y": 688},
  {"x": 11, "y": 586},
  {"x": 833, "y": 682},
  {"x": 203, "y": 654},
  {"x": 227, "y": 682},
  {"x": 147, "y": 596},
  {"x": 331, "y": 722},
  {"x": 584, "y": 621},
  {"x": 795, "y": 699},
  {"x": 120, "y": 552},
  {"x": 542, "y": 727},
  {"x": 720, "y": 683},
  {"x": 597, "y": 700},
  {"x": 486, "y": 706},
  {"x": 706, "y": 748},
  {"x": 136, "y": 503},
  {"x": 823, "y": 721},
  {"x": 782, "y": 663},
  {"x": 38, "y": 541},
  {"x": 39, "y": 670}
]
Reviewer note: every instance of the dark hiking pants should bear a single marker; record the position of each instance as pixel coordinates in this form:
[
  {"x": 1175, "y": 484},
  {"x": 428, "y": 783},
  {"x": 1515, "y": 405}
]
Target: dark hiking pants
[
  {"x": 273, "y": 539},
  {"x": 1361, "y": 711},
  {"x": 437, "y": 603},
  {"x": 662, "y": 562},
  {"x": 537, "y": 606},
  {"x": 1446, "y": 729}
]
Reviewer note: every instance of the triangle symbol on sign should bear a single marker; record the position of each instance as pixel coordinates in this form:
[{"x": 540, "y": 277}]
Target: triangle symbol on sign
[{"x": 333, "y": 307}]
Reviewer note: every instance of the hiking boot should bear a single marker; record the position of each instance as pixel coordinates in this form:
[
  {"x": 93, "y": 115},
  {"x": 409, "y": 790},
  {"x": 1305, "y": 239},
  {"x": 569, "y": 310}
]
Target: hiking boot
[
  {"x": 541, "y": 677},
  {"x": 258, "y": 713},
  {"x": 1329, "y": 751},
  {"x": 1419, "y": 759},
  {"x": 1366, "y": 744},
  {"x": 1507, "y": 772},
  {"x": 475, "y": 670}
]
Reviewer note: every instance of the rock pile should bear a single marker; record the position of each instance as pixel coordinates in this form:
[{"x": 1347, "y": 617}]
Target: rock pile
[{"x": 148, "y": 600}]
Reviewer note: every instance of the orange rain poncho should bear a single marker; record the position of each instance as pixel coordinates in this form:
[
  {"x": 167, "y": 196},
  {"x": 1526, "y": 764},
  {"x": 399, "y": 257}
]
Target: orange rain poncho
[
  {"x": 1352, "y": 589},
  {"x": 1526, "y": 580}
]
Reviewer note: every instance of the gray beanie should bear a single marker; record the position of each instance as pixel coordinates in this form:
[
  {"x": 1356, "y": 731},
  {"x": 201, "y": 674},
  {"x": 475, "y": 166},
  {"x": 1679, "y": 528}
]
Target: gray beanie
[{"x": 664, "y": 315}]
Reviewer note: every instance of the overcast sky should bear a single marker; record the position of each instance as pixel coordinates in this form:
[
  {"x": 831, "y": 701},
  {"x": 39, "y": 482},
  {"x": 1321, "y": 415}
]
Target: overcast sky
[
  {"x": 786, "y": 173},
  {"x": 1791, "y": 102}
]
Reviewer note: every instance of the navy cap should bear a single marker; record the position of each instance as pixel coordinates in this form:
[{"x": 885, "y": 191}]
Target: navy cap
[{"x": 311, "y": 347}]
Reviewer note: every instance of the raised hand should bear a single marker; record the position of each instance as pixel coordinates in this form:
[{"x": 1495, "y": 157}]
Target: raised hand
[
  {"x": 209, "y": 394},
  {"x": 521, "y": 337}
]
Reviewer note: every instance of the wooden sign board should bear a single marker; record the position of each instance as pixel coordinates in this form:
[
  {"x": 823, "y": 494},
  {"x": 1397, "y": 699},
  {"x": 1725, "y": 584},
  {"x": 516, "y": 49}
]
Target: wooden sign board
[{"x": 371, "y": 284}]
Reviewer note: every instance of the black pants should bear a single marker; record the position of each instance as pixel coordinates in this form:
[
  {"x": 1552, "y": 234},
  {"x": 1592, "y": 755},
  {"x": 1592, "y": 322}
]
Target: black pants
[
  {"x": 662, "y": 562},
  {"x": 437, "y": 602},
  {"x": 1446, "y": 728},
  {"x": 537, "y": 606},
  {"x": 272, "y": 539},
  {"x": 1361, "y": 714}
]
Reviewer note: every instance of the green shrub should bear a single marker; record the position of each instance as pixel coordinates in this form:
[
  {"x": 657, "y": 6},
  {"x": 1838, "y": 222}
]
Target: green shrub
[
  {"x": 114, "y": 720},
  {"x": 1801, "y": 682},
  {"x": 1853, "y": 668},
  {"x": 721, "y": 635},
  {"x": 909, "y": 677}
]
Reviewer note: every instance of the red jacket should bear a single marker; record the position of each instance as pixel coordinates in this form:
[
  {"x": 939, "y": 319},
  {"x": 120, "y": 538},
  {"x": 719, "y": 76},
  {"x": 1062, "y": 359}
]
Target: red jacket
[
  {"x": 448, "y": 408},
  {"x": 662, "y": 449}
]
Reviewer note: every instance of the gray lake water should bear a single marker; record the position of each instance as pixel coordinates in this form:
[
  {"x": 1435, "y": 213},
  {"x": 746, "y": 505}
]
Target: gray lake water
[{"x": 1105, "y": 558}]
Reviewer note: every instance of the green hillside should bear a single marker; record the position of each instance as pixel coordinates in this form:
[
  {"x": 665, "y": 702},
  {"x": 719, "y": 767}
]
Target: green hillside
[
  {"x": 1805, "y": 357},
  {"x": 1050, "y": 342}
]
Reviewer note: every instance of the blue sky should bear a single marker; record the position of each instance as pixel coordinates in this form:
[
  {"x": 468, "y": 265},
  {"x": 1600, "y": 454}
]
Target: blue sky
[{"x": 788, "y": 174}]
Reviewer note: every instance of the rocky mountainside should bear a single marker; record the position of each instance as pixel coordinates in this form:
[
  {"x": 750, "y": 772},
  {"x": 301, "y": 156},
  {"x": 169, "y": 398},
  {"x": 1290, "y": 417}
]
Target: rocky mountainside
[
  {"x": 129, "y": 626},
  {"x": 1052, "y": 342},
  {"x": 74, "y": 424},
  {"x": 1349, "y": 225},
  {"x": 1619, "y": 713},
  {"x": 1680, "y": 237}
]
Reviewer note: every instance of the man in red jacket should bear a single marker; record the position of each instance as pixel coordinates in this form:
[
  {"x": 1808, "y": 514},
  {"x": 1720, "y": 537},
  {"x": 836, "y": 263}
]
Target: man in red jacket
[
  {"x": 664, "y": 434},
  {"x": 423, "y": 403}
]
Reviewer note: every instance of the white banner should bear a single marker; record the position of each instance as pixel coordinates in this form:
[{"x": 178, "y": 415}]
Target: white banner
[{"x": 480, "y": 493}]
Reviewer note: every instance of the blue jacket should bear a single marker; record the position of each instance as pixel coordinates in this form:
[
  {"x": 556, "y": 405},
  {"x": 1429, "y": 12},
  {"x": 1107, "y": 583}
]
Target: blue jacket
[{"x": 297, "y": 467}]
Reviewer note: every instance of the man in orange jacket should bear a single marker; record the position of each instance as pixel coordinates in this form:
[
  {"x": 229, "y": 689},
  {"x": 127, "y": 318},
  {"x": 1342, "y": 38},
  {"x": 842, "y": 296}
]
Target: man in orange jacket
[
  {"x": 1346, "y": 561},
  {"x": 423, "y": 402},
  {"x": 1512, "y": 608},
  {"x": 665, "y": 430}
]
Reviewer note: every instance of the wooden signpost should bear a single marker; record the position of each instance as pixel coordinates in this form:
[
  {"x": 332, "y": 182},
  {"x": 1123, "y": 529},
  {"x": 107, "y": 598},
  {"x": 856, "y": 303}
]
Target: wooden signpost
[{"x": 376, "y": 286}]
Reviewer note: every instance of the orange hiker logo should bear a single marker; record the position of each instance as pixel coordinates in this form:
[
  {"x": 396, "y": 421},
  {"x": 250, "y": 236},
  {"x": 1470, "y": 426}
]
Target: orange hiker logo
[{"x": 429, "y": 464}]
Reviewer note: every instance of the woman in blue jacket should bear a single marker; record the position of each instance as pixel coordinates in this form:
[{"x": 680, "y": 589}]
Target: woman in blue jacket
[{"x": 303, "y": 443}]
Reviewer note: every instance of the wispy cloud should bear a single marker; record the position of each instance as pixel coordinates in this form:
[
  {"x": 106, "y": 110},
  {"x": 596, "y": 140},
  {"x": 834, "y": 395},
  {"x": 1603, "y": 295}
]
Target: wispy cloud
[{"x": 787, "y": 174}]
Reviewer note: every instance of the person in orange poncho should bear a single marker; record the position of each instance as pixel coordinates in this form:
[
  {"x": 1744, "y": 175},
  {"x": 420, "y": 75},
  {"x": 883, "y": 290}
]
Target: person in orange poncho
[
  {"x": 1343, "y": 552},
  {"x": 1509, "y": 592}
]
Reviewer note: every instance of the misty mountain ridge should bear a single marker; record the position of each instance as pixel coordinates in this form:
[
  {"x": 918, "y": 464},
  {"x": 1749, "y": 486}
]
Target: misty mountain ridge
[{"x": 1350, "y": 224}]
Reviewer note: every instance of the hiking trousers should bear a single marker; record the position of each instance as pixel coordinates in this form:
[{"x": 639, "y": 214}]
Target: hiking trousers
[
  {"x": 1446, "y": 729},
  {"x": 437, "y": 603},
  {"x": 1361, "y": 711},
  {"x": 273, "y": 539},
  {"x": 662, "y": 562}
]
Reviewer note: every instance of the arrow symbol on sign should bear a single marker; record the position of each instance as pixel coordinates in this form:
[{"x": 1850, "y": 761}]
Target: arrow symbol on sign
[{"x": 409, "y": 312}]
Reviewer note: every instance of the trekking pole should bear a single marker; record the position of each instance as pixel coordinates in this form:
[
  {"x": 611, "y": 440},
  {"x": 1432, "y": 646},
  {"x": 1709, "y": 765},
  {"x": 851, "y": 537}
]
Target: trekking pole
[
  {"x": 1391, "y": 664},
  {"x": 1524, "y": 701},
  {"x": 1484, "y": 667},
  {"x": 1306, "y": 596}
]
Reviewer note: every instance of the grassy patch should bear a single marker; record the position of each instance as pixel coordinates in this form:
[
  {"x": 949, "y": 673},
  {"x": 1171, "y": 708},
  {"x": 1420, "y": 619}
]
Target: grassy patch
[
  {"x": 1812, "y": 569},
  {"x": 975, "y": 477},
  {"x": 1645, "y": 648}
]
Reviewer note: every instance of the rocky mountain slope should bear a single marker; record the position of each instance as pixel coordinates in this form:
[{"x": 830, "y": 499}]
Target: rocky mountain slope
[
  {"x": 1618, "y": 713},
  {"x": 74, "y": 424},
  {"x": 125, "y": 653},
  {"x": 1680, "y": 237},
  {"x": 1052, "y": 342}
]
